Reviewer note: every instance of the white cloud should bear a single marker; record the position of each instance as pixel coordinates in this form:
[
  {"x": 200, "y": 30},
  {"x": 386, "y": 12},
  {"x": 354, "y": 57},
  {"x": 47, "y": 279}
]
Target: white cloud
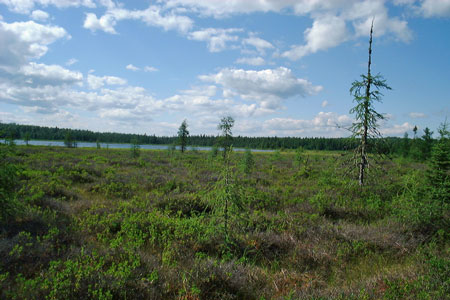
[
  {"x": 268, "y": 86},
  {"x": 26, "y": 6},
  {"x": 150, "y": 69},
  {"x": 326, "y": 32},
  {"x": 324, "y": 103},
  {"x": 22, "y": 41},
  {"x": 417, "y": 115},
  {"x": 435, "y": 8},
  {"x": 260, "y": 44},
  {"x": 106, "y": 23},
  {"x": 327, "y": 124},
  {"x": 132, "y": 67},
  {"x": 334, "y": 21},
  {"x": 71, "y": 61},
  {"x": 96, "y": 82},
  {"x": 39, "y": 15},
  {"x": 253, "y": 61},
  {"x": 151, "y": 16},
  {"x": 217, "y": 38},
  {"x": 396, "y": 130},
  {"x": 41, "y": 74}
]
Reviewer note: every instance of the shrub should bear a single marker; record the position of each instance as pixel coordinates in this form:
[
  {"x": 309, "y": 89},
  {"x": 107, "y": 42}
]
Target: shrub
[{"x": 8, "y": 182}]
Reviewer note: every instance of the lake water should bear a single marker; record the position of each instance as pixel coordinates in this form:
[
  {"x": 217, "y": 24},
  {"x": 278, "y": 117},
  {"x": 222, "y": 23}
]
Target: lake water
[{"x": 118, "y": 146}]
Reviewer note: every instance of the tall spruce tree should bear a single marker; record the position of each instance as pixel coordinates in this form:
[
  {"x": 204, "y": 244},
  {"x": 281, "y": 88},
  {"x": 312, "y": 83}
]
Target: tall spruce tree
[{"x": 365, "y": 93}]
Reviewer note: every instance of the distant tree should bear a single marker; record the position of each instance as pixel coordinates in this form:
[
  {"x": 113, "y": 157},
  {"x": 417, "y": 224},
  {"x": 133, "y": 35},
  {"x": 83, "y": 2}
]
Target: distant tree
[
  {"x": 426, "y": 143},
  {"x": 26, "y": 138},
  {"x": 226, "y": 139},
  {"x": 183, "y": 134},
  {"x": 68, "y": 139},
  {"x": 248, "y": 161},
  {"x": 135, "y": 148},
  {"x": 405, "y": 146},
  {"x": 415, "y": 131},
  {"x": 366, "y": 126}
]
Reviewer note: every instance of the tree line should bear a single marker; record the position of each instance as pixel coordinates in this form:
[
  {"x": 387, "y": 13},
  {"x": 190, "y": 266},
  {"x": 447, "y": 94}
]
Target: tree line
[{"x": 417, "y": 147}]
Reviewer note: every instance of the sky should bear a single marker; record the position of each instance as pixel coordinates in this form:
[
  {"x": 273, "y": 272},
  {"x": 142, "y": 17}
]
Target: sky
[{"x": 278, "y": 67}]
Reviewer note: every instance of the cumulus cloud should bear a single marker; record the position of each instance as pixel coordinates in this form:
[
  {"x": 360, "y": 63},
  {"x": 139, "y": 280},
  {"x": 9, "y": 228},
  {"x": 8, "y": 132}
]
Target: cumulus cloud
[
  {"x": 22, "y": 41},
  {"x": 42, "y": 74},
  {"x": 334, "y": 22},
  {"x": 96, "y": 82},
  {"x": 26, "y": 6},
  {"x": 152, "y": 16},
  {"x": 266, "y": 86},
  {"x": 326, "y": 32},
  {"x": 253, "y": 61},
  {"x": 105, "y": 23},
  {"x": 39, "y": 15},
  {"x": 396, "y": 129},
  {"x": 435, "y": 8},
  {"x": 327, "y": 124},
  {"x": 217, "y": 38}
]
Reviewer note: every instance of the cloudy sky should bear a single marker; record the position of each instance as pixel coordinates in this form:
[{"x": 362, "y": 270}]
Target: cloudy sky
[{"x": 279, "y": 67}]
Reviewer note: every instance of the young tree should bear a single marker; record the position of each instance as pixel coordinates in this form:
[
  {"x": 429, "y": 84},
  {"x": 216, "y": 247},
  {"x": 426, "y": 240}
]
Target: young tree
[
  {"x": 365, "y": 93},
  {"x": 135, "y": 148},
  {"x": 26, "y": 138},
  {"x": 228, "y": 195},
  {"x": 426, "y": 143},
  {"x": 226, "y": 139},
  {"x": 405, "y": 146},
  {"x": 68, "y": 140},
  {"x": 248, "y": 162},
  {"x": 183, "y": 134}
]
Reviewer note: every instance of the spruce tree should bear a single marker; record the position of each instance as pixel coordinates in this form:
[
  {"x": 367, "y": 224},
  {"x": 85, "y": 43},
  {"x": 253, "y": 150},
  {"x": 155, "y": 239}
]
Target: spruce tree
[
  {"x": 365, "y": 93},
  {"x": 183, "y": 134}
]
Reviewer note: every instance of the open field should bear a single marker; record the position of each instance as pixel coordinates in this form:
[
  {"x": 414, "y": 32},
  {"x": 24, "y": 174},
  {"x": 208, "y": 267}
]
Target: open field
[{"x": 97, "y": 223}]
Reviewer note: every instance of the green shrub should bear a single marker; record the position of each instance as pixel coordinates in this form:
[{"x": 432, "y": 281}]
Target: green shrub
[{"x": 8, "y": 181}]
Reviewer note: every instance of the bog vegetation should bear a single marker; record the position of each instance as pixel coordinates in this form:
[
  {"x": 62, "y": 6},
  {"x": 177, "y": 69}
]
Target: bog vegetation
[{"x": 151, "y": 224}]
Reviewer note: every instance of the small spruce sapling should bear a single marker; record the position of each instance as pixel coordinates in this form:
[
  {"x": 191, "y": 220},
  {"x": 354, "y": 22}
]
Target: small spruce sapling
[{"x": 135, "y": 148}]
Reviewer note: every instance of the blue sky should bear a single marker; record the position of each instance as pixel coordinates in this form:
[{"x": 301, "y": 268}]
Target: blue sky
[{"x": 279, "y": 67}]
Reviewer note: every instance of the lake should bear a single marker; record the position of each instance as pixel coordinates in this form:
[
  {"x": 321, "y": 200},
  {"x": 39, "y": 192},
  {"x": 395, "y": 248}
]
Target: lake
[{"x": 118, "y": 146}]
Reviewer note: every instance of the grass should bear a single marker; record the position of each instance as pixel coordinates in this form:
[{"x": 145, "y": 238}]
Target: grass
[{"x": 100, "y": 224}]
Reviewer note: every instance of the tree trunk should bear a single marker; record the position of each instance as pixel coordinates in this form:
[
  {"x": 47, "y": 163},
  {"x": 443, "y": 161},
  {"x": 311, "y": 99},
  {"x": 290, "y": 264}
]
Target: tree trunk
[{"x": 363, "y": 161}]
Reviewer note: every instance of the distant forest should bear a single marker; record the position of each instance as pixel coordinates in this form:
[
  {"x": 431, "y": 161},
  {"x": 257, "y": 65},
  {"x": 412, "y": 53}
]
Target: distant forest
[{"x": 17, "y": 131}]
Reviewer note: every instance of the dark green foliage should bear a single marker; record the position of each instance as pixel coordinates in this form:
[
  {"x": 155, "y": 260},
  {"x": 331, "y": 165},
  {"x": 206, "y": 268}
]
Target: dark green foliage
[
  {"x": 26, "y": 138},
  {"x": 308, "y": 143},
  {"x": 135, "y": 148},
  {"x": 226, "y": 138},
  {"x": 406, "y": 145},
  {"x": 8, "y": 183},
  {"x": 426, "y": 144},
  {"x": 183, "y": 134},
  {"x": 69, "y": 140},
  {"x": 95, "y": 224},
  {"x": 425, "y": 201},
  {"x": 248, "y": 162}
]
